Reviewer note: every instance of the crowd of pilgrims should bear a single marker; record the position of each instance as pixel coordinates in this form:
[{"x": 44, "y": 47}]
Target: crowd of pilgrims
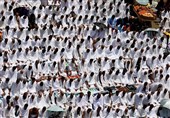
[{"x": 56, "y": 55}]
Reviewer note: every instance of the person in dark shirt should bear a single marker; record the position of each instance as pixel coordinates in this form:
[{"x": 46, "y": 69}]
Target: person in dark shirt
[{"x": 31, "y": 19}]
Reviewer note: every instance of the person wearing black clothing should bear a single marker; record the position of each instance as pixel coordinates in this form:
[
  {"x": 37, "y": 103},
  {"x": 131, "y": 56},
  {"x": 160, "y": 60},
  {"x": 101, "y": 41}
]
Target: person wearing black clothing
[{"x": 31, "y": 19}]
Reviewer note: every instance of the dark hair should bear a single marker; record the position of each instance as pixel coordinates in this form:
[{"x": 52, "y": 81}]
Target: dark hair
[
  {"x": 48, "y": 49},
  {"x": 86, "y": 16},
  {"x": 41, "y": 83},
  {"x": 7, "y": 28},
  {"x": 69, "y": 108},
  {"x": 78, "y": 110},
  {"x": 3, "y": 18},
  {"x": 92, "y": 18},
  {"x": 34, "y": 7},
  {"x": 50, "y": 7},
  {"x": 39, "y": 15},
  {"x": 110, "y": 47},
  {"x": 40, "y": 7},
  {"x": 62, "y": 50},
  {"x": 98, "y": 111},
  {"x": 91, "y": 74},
  {"x": 11, "y": 17},
  {"x": 44, "y": 28},
  {"x": 5, "y": 4},
  {"x": 10, "y": 7},
  {"x": 124, "y": 71},
  {"x": 80, "y": 17},
  {"x": 25, "y": 95},
  {"x": 89, "y": 110},
  {"x": 25, "y": 106},
  {"x": 87, "y": 50},
  {"x": 43, "y": 50}
]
